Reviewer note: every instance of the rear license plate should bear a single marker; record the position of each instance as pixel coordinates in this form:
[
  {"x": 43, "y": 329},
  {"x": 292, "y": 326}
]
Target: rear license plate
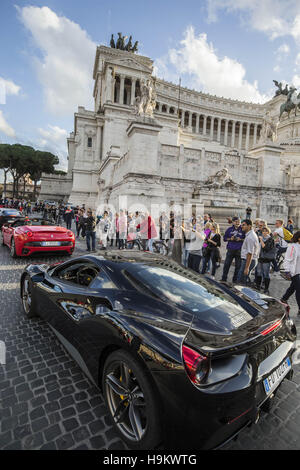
[
  {"x": 50, "y": 243},
  {"x": 272, "y": 382}
]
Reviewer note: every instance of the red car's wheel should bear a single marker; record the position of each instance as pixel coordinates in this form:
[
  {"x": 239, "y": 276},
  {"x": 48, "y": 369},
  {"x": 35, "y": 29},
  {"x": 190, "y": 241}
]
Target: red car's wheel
[{"x": 13, "y": 248}]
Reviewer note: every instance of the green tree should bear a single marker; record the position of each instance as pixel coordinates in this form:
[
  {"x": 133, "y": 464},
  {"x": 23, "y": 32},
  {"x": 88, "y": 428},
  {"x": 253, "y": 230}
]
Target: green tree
[
  {"x": 41, "y": 162},
  {"x": 4, "y": 163},
  {"x": 22, "y": 160}
]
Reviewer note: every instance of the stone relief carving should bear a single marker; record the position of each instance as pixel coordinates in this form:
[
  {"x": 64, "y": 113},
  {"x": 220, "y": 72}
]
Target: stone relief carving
[
  {"x": 213, "y": 156},
  {"x": 221, "y": 179}
]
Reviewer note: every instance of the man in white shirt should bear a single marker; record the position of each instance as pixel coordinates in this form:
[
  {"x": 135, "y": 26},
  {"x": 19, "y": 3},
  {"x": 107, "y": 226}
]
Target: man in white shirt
[{"x": 249, "y": 252}]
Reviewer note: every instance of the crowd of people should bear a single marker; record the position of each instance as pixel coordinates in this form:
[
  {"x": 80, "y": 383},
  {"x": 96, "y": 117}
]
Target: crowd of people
[
  {"x": 253, "y": 248},
  {"x": 21, "y": 205}
]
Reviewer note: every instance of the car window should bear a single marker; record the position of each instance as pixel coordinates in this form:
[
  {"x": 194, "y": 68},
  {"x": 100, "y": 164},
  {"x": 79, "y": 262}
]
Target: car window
[
  {"x": 80, "y": 273},
  {"x": 102, "y": 281},
  {"x": 12, "y": 212},
  {"x": 168, "y": 285}
]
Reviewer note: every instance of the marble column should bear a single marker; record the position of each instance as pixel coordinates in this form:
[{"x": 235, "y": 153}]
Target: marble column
[
  {"x": 212, "y": 122},
  {"x": 255, "y": 134},
  {"x": 182, "y": 117},
  {"x": 197, "y": 123},
  {"x": 204, "y": 125},
  {"x": 233, "y": 134},
  {"x": 247, "y": 136},
  {"x": 219, "y": 130},
  {"x": 240, "y": 135},
  {"x": 132, "y": 97},
  {"x": 226, "y": 132},
  {"x": 121, "y": 97},
  {"x": 190, "y": 118}
]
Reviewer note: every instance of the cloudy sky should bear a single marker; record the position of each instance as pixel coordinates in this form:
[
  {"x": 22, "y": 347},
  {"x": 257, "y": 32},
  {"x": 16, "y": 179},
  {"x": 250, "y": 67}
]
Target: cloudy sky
[{"x": 231, "y": 48}]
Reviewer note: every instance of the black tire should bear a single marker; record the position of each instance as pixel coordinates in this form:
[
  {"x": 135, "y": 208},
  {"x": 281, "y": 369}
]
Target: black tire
[
  {"x": 140, "y": 407},
  {"x": 26, "y": 297},
  {"x": 2, "y": 241},
  {"x": 13, "y": 248}
]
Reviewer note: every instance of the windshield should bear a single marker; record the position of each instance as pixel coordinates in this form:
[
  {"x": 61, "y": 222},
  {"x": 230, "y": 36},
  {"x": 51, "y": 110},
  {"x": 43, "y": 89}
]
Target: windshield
[
  {"x": 12, "y": 212},
  {"x": 168, "y": 285}
]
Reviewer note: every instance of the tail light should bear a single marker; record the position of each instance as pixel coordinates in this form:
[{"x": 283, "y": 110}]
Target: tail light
[
  {"x": 196, "y": 365},
  {"x": 270, "y": 328}
]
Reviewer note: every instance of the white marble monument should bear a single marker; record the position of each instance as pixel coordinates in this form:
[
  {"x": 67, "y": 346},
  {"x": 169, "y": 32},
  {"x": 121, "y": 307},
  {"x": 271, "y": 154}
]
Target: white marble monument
[{"x": 155, "y": 143}]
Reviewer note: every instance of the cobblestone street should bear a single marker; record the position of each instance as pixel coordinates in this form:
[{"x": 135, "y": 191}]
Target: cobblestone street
[{"x": 48, "y": 403}]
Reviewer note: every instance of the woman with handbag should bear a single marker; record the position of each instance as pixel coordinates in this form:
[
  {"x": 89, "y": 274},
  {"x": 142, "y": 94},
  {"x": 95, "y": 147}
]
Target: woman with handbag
[{"x": 212, "y": 251}]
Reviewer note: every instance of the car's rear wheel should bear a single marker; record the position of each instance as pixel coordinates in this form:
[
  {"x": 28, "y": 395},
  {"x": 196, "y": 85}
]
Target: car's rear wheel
[
  {"x": 131, "y": 401},
  {"x": 26, "y": 295},
  {"x": 13, "y": 248}
]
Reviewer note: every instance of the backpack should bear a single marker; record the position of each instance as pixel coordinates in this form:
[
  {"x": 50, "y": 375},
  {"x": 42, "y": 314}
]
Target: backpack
[{"x": 287, "y": 235}]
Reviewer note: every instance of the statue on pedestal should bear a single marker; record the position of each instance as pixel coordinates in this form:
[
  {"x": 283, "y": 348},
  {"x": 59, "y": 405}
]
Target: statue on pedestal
[
  {"x": 280, "y": 90},
  {"x": 268, "y": 131},
  {"x": 120, "y": 43},
  {"x": 146, "y": 102},
  {"x": 129, "y": 44},
  {"x": 292, "y": 102},
  {"x": 112, "y": 41}
]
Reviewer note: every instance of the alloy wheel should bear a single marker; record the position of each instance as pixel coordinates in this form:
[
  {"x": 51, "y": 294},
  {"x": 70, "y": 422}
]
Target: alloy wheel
[
  {"x": 126, "y": 401},
  {"x": 26, "y": 295},
  {"x": 12, "y": 247}
]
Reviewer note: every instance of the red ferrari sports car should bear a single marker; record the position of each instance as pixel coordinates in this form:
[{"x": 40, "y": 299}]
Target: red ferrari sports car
[{"x": 27, "y": 236}]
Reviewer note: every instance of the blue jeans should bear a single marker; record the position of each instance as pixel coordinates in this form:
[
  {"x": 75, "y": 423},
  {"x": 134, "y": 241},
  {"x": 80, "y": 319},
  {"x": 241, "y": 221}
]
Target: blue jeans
[
  {"x": 185, "y": 256},
  {"x": 90, "y": 235},
  {"x": 230, "y": 256},
  {"x": 241, "y": 276}
]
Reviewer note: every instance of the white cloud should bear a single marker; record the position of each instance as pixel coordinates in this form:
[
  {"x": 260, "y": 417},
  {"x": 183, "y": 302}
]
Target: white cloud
[
  {"x": 197, "y": 60},
  {"x": 54, "y": 140},
  {"x": 5, "y": 127},
  {"x": 282, "y": 50},
  {"x": 7, "y": 87},
  {"x": 66, "y": 66},
  {"x": 273, "y": 17}
]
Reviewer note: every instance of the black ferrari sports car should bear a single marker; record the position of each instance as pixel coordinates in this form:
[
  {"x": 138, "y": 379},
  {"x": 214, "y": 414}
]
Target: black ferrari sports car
[{"x": 183, "y": 361}]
